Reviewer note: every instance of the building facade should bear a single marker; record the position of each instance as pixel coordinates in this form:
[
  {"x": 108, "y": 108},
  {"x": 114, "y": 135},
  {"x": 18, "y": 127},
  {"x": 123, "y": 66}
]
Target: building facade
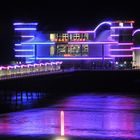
[{"x": 111, "y": 44}]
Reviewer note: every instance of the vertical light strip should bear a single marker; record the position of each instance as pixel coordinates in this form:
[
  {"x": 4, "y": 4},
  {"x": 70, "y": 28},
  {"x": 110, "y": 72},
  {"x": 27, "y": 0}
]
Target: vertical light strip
[{"x": 62, "y": 122}]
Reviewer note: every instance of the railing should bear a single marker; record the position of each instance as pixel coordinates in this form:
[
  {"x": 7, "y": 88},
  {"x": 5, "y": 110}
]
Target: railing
[{"x": 12, "y": 71}]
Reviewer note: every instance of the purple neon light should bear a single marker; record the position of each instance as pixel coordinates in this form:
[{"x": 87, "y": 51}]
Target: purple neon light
[
  {"x": 93, "y": 42},
  {"x": 102, "y": 23},
  {"x": 106, "y": 22},
  {"x": 138, "y": 30},
  {"x": 136, "y": 48},
  {"x": 126, "y": 43},
  {"x": 43, "y": 43},
  {"x": 121, "y": 55},
  {"x": 119, "y": 27},
  {"x": 20, "y": 29},
  {"x": 19, "y": 23},
  {"x": 71, "y": 58},
  {"x": 120, "y": 49}
]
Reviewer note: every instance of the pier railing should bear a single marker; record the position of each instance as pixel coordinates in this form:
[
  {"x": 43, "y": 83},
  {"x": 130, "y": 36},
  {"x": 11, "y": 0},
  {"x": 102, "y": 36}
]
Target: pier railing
[{"x": 13, "y": 71}]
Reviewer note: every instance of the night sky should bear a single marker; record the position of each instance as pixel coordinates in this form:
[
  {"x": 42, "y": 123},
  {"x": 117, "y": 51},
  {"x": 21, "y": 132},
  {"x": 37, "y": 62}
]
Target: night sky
[{"x": 60, "y": 15}]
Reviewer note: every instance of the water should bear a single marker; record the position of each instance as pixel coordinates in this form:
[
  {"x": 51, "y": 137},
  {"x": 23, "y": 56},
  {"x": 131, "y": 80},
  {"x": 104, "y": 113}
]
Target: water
[{"x": 88, "y": 115}]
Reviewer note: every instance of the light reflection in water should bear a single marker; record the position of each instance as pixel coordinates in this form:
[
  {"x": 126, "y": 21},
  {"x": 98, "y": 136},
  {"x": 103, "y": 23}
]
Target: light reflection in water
[{"x": 85, "y": 115}]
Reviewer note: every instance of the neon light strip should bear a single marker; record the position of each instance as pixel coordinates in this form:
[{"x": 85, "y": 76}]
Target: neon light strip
[
  {"x": 124, "y": 27},
  {"x": 18, "y": 29},
  {"x": 24, "y": 55},
  {"x": 23, "y": 50},
  {"x": 25, "y": 23},
  {"x": 74, "y": 58},
  {"x": 62, "y": 122},
  {"x": 92, "y": 42},
  {"x": 80, "y": 31},
  {"x": 33, "y": 43},
  {"x": 114, "y": 35},
  {"x": 138, "y": 30},
  {"x": 136, "y": 48},
  {"x": 102, "y": 23},
  {"x": 26, "y": 36},
  {"x": 17, "y": 44},
  {"x": 106, "y": 22},
  {"x": 125, "y": 44},
  {"x": 120, "y": 49},
  {"x": 121, "y": 55}
]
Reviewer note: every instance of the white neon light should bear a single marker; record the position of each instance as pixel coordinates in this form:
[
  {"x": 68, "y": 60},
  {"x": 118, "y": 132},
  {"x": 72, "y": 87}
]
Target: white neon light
[
  {"x": 17, "y": 44},
  {"x": 18, "y": 29},
  {"x": 21, "y": 23},
  {"x": 138, "y": 30},
  {"x": 102, "y": 23},
  {"x": 119, "y": 27},
  {"x": 26, "y": 36},
  {"x": 24, "y": 50},
  {"x": 114, "y": 35}
]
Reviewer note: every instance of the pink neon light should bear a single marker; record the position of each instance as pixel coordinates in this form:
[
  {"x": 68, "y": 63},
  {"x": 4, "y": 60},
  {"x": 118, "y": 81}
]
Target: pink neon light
[
  {"x": 138, "y": 30},
  {"x": 121, "y": 55},
  {"x": 93, "y": 42},
  {"x": 125, "y": 43},
  {"x": 120, "y": 49},
  {"x": 62, "y": 122}
]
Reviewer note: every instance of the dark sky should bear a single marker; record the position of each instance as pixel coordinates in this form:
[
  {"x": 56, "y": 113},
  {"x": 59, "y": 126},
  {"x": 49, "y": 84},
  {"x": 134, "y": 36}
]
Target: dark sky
[{"x": 60, "y": 15}]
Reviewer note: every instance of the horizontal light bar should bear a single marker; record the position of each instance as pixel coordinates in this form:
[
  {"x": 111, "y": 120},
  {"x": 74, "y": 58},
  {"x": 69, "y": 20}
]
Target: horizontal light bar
[
  {"x": 121, "y": 55},
  {"x": 19, "y": 23},
  {"x": 24, "y": 50},
  {"x": 17, "y": 44},
  {"x": 37, "y": 43},
  {"x": 20, "y": 29},
  {"x": 26, "y": 36},
  {"x": 119, "y": 27},
  {"x": 120, "y": 49},
  {"x": 114, "y": 35},
  {"x": 126, "y": 44},
  {"x": 80, "y": 31},
  {"x": 24, "y": 55},
  {"x": 71, "y": 58},
  {"x": 93, "y": 42},
  {"x": 136, "y": 48}
]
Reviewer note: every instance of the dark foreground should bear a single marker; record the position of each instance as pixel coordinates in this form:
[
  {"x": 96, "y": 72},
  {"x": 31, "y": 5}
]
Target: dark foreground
[{"x": 88, "y": 116}]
